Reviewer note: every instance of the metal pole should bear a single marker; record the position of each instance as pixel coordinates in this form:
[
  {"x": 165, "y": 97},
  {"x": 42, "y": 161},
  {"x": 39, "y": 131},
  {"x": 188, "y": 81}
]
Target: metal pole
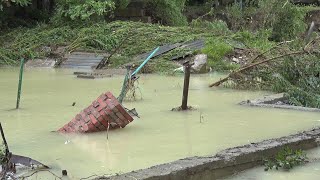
[
  {"x": 20, "y": 83},
  {"x": 187, "y": 67},
  {"x": 145, "y": 61}
]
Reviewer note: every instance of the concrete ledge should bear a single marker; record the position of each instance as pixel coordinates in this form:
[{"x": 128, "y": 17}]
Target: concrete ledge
[
  {"x": 224, "y": 163},
  {"x": 276, "y": 101}
]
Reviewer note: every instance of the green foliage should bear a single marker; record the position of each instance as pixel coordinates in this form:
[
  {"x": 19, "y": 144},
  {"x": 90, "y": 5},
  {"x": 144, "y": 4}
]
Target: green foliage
[
  {"x": 282, "y": 17},
  {"x": 216, "y": 49},
  {"x": 84, "y": 10},
  {"x": 122, "y": 3},
  {"x": 217, "y": 26},
  {"x": 5, "y": 3},
  {"x": 289, "y": 23},
  {"x": 168, "y": 11},
  {"x": 286, "y": 159},
  {"x": 7, "y": 9},
  {"x": 141, "y": 38},
  {"x": 257, "y": 40},
  {"x": 2, "y": 153},
  {"x": 299, "y": 78}
]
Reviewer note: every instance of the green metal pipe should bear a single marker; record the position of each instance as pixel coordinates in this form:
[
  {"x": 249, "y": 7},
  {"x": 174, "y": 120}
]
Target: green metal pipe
[
  {"x": 145, "y": 62},
  {"x": 20, "y": 83}
]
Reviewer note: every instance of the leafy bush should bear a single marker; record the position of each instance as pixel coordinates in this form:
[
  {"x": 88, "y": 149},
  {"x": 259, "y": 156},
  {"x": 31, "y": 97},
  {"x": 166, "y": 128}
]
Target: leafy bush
[
  {"x": 289, "y": 23},
  {"x": 217, "y": 26},
  {"x": 286, "y": 159},
  {"x": 299, "y": 78},
  {"x": 84, "y": 10},
  {"x": 5, "y": 3},
  {"x": 216, "y": 49},
  {"x": 282, "y": 17},
  {"x": 168, "y": 11}
]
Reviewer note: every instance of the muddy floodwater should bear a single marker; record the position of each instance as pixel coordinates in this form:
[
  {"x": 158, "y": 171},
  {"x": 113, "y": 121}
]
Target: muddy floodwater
[
  {"x": 159, "y": 136},
  {"x": 309, "y": 171}
]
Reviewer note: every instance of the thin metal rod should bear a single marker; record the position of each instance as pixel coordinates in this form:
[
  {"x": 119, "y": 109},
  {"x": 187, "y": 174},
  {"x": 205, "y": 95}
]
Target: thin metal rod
[{"x": 20, "y": 83}]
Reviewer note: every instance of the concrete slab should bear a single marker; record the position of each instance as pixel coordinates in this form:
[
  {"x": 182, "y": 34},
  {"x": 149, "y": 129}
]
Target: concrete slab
[
  {"x": 276, "y": 101},
  {"x": 226, "y": 162}
]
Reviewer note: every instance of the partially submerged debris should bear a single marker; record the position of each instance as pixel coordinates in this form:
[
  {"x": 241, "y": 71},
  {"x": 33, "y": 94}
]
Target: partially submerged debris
[
  {"x": 93, "y": 76},
  {"x": 11, "y": 163},
  {"x": 43, "y": 63},
  {"x": 103, "y": 114},
  {"x": 82, "y": 60},
  {"x": 276, "y": 101},
  {"x": 189, "y": 108}
]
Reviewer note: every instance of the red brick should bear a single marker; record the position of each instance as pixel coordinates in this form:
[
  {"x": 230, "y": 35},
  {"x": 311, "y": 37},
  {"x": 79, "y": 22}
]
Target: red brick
[
  {"x": 103, "y": 121},
  {"x": 110, "y": 104},
  {"x": 109, "y": 95},
  {"x": 70, "y": 124},
  {"x": 85, "y": 128},
  {"x": 94, "y": 121},
  {"x": 104, "y": 110},
  {"x": 107, "y": 117},
  {"x": 87, "y": 119},
  {"x": 62, "y": 130},
  {"x": 113, "y": 116},
  {"x": 103, "y": 105},
  {"x": 95, "y": 113},
  {"x": 102, "y": 97},
  {"x": 115, "y": 101},
  {"x": 83, "y": 115},
  {"x": 124, "y": 112},
  {"x": 68, "y": 129},
  {"x": 102, "y": 128},
  {"x": 95, "y": 104},
  {"x": 120, "y": 116},
  {"x": 86, "y": 110},
  {"x": 92, "y": 128},
  {"x": 78, "y": 117}
]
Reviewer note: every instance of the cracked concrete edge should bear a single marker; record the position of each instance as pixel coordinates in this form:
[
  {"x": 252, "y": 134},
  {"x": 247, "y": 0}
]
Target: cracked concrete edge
[
  {"x": 224, "y": 163},
  {"x": 270, "y": 100}
]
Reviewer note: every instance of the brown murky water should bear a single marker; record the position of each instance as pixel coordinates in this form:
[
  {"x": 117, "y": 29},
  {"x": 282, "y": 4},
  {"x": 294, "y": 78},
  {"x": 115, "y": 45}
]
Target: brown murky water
[{"x": 159, "y": 136}]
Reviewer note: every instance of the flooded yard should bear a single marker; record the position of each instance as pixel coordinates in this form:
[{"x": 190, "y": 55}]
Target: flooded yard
[{"x": 159, "y": 136}]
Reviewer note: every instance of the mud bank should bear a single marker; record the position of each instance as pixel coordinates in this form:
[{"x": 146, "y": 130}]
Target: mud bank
[{"x": 226, "y": 162}]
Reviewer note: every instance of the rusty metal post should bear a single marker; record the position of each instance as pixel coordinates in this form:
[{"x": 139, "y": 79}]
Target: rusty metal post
[{"x": 187, "y": 67}]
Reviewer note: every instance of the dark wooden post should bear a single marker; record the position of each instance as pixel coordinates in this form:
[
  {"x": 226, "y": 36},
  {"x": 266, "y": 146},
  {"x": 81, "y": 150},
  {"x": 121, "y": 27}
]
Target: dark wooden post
[{"x": 187, "y": 67}]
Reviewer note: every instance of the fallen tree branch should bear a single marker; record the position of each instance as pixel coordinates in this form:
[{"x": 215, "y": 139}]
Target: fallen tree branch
[
  {"x": 218, "y": 83},
  {"x": 265, "y": 52}
]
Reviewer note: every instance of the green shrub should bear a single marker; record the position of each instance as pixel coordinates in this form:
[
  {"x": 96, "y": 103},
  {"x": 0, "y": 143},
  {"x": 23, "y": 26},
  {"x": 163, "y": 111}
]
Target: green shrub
[
  {"x": 220, "y": 27},
  {"x": 289, "y": 23},
  {"x": 216, "y": 49},
  {"x": 168, "y": 11},
  {"x": 84, "y": 10},
  {"x": 5, "y": 3},
  {"x": 299, "y": 78},
  {"x": 286, "y": 159},
  {"x": 257, "y": 40}
]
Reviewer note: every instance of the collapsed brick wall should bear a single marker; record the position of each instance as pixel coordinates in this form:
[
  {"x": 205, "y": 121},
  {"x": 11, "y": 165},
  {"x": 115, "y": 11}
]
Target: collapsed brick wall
[{"x": 104, "y": 113}]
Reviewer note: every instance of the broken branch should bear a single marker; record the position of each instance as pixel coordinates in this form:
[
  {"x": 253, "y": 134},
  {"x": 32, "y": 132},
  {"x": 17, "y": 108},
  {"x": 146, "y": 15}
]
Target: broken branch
[{"x": 218, "y": 83}]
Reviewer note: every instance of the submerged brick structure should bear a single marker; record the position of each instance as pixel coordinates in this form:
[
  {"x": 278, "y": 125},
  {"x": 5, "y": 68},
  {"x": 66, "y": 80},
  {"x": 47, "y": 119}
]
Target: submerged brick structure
[{"x": 104, "y": 113}]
